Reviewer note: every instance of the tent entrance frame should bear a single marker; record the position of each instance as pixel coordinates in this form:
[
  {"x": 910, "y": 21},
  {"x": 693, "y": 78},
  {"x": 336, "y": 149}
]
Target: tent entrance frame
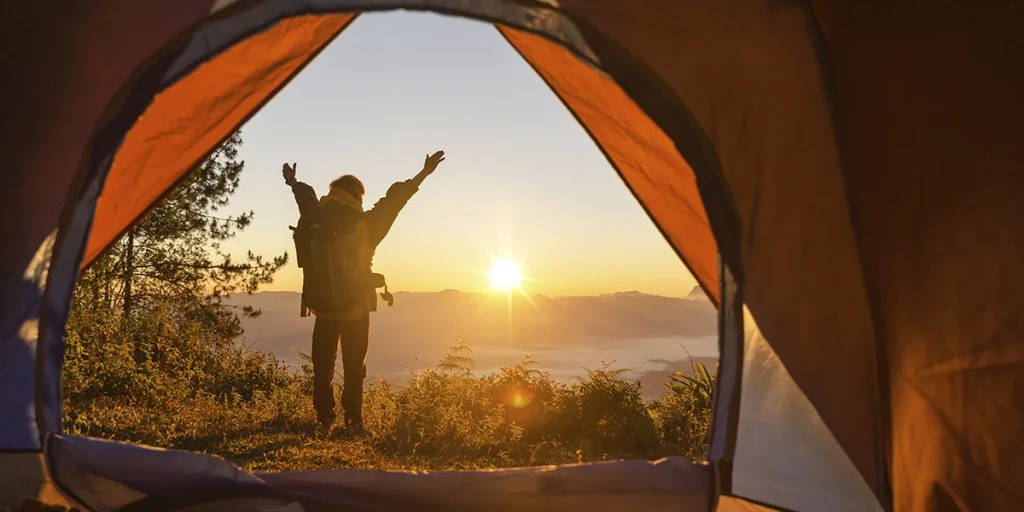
[
  {"x": 640, "y": 83},
  {"x": 651, "y": 94}
]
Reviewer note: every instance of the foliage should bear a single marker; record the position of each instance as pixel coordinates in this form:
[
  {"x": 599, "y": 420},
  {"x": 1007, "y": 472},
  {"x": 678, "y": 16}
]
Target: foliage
[
  {"x": 249, "y": 408},
  {"x": 171, "y": 262},
  {"x": 683, "y": 415},
  {"x": 456, "y": 361},
  {"x": 180, "y": 365},
  {"x": 699, "y": 385},
  {"x": 609, "y": 413}
]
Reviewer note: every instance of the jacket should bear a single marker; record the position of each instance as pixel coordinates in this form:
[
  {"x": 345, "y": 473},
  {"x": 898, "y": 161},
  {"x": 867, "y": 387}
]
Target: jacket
[{"x": 369, "y": 227}]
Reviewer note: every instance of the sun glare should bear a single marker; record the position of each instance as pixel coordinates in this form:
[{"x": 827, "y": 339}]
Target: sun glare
[{"x": 504, "y": 275}]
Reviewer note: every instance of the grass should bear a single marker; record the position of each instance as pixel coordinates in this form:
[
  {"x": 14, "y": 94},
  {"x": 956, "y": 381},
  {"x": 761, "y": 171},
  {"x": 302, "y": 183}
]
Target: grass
[{"x": 248, "y": 408}]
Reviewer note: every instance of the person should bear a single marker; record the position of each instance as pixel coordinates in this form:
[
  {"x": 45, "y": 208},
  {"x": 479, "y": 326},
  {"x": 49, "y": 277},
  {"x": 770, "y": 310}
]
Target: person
[{"x": 343, "y": 205}]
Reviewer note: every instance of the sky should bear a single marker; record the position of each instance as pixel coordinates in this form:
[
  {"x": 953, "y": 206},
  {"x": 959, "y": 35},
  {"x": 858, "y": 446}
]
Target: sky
[{"x": 521, "y": 178}]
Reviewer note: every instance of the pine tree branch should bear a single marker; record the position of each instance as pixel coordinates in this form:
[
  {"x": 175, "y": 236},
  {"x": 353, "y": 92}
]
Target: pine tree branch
[
  {"x": 233, "y": 268},
  {"x": 180, "y": 286},
  {"x": 222, "y": 219}
]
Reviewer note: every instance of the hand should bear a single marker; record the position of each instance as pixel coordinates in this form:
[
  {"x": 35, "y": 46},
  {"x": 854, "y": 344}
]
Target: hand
[
  {"x": 430, "y": 163},
  {"x": 288, "y": 171}
]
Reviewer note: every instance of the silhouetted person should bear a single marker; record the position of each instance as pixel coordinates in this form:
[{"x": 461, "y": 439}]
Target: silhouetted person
[{"x": 362, "y": 231}]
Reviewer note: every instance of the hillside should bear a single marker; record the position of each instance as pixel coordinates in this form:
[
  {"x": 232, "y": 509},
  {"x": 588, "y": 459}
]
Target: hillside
[{"x": 189, "y": 393}]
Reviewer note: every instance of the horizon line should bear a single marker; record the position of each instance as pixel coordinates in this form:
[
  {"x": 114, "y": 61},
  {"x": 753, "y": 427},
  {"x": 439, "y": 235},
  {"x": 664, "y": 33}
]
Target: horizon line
[{"x": 690, "y": 295}]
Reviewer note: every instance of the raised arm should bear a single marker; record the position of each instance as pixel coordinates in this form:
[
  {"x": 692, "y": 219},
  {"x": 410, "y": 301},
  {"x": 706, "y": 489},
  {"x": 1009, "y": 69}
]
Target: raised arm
[
  {"x": 430, "y": 164},
  {"x": 305, "y": 196},
  {"x": 381, "y": 217}
]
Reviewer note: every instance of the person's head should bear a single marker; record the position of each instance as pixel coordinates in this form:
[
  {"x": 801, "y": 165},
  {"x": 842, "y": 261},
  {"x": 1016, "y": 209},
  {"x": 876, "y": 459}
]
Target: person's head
[{"x": 350, "y": 184}]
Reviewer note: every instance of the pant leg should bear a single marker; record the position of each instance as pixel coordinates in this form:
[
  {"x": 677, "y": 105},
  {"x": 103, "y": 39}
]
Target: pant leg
[
  {"x": 325, "y": 356},
  {"x": 355, "y": 341}
]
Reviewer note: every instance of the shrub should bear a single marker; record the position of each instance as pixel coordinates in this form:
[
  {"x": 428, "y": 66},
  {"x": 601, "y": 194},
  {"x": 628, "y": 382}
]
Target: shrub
[
  {"x": 683, "y": 414},
  {"x": 607, "y": 415},
  {"x": 246, "y": 406}
]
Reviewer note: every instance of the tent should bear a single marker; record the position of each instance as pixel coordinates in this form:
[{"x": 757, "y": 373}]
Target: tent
[{"x": 841, "y": 176}]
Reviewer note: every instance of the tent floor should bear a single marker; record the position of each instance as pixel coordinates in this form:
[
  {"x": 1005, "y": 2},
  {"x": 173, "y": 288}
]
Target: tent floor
[{"x": 23, "y": 475}]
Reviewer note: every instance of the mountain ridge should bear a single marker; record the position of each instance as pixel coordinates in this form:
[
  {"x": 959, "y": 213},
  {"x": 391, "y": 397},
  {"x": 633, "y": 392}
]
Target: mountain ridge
[
  {"x": 647, "y": 332},
  {"x": 696, "y": 293}
]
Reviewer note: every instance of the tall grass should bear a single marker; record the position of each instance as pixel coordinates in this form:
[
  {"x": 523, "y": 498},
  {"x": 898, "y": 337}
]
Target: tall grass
[{"x": 253, "y": 410}]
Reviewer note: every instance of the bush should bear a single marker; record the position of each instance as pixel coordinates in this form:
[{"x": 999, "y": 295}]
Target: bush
[
  {"x": 189, "y": 393},
  {"x": 520, "y": 416},
  {"x": 177, "y": 362},
  {"x": 179, "y": 389},
  {"x": 683, "y": 414},
  {"x": 607, "y": 415}
]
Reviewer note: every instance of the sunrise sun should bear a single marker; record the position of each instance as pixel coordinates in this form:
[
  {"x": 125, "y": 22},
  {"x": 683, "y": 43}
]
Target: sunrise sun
[{"x": 504, "y": 275}]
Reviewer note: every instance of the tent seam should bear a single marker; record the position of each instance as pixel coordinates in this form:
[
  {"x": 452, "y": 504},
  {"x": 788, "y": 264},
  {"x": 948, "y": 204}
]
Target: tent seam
[{"x": 882, "y": 396}]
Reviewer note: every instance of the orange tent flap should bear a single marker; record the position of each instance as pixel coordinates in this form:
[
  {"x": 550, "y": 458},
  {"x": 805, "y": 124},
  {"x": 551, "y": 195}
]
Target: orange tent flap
[
  {"x": 188, "y": 120},
  {"x": 752, "y": 78},
  {"x": 646, "y": 159}
]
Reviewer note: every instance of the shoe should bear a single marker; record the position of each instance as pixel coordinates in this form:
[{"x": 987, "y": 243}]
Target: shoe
[
  {"x": 326, "y": 421},
  {"x": 356, "y": 429}
]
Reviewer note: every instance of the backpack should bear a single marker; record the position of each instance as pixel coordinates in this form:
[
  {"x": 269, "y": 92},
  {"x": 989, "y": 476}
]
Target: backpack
[{"x": 325, "y": 251}]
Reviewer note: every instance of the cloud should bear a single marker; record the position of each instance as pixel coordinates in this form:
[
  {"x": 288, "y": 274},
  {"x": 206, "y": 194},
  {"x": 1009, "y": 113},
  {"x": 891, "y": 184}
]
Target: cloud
[{"x": 564, "y": 333}]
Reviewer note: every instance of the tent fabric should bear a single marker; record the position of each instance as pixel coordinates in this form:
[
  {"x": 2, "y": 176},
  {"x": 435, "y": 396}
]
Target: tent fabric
[
  {"x": 108, "y": 476},
  {"x": 198, "y": 113},
  {"x": 48, "y": 125},
  {"x": 732, "y": 504},
  {"x": 667, "y": 484},
  {"x": 857, "y": 163},
  {"x": 18, "y": 358},
  {"x": 780, "y": 436},
  {"x": 47, "y": 128},
  {"x": 930, "y": 95},
  {"x": 751, "y": 74},
  {"x": 25, "y": 475},
  {"x": 725, "y": 408},
  {"x": 258, "y": 504}
]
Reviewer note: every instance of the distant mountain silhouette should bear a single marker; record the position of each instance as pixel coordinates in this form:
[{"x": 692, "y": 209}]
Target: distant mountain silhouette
[{"x": 419, "y": 328}]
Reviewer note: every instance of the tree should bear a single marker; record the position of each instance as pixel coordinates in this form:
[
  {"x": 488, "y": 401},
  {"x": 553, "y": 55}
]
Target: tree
[{"x": 172, "y": 260}]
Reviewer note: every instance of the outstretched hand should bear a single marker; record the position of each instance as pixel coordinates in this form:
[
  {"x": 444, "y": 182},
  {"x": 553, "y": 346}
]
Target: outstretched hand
[
  {"x": 430, "y": 163},
  {"x": 288, "y": 171}
]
